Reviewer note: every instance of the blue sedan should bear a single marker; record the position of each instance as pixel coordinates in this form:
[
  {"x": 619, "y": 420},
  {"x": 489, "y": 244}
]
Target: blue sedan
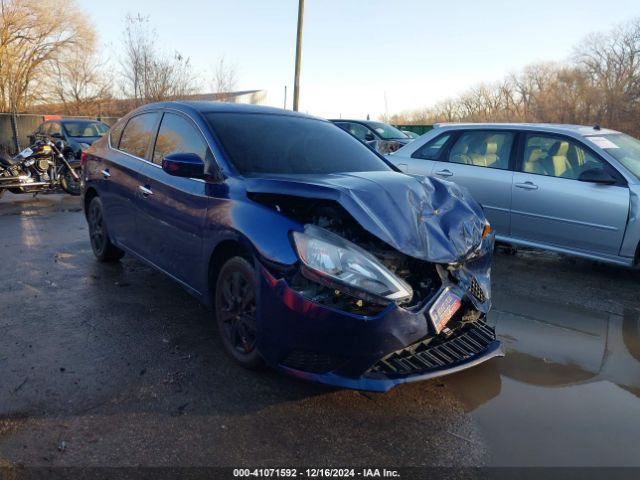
[{"x": 317, "y": 256}]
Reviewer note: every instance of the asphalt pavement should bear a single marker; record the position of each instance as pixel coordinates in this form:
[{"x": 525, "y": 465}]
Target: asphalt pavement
[{"x": 115, "y": 365}]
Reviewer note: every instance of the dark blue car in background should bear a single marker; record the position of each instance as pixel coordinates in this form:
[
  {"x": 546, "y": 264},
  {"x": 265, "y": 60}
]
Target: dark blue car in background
[{"x": 316, "y": 255}]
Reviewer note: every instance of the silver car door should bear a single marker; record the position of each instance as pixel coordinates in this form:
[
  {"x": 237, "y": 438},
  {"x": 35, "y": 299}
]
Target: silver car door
[
  {"x": 552, "y": 206},
  {"x": 479, "y": 160}
]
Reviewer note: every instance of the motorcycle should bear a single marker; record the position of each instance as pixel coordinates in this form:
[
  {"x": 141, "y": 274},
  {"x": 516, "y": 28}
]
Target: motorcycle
[{"x": 40, "y": 167}]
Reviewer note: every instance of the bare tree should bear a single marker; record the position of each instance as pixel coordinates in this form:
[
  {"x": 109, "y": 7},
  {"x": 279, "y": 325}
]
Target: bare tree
[
  {"x": 31, "y": 41},
  {"x": 225, "y": 78},
  {"x": 148, "y": 75},
  {"x": 600, "y": 83},
  {"x": 81, "y": 84}
]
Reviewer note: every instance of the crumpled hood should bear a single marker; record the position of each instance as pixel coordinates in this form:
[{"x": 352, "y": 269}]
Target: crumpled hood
[{"x": 422, "y": 217}]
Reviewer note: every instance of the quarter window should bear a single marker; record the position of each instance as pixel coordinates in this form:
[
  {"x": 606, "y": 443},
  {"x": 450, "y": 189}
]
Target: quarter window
[
  {"x": 178, "y": 135},
  {"x": 557, "y": 157},
  {"x": 432, "y": 149},
  {"x": 116, "y": 132},
  {"x": 483, "y": 149},
  {"x": 137, "y": 134}
]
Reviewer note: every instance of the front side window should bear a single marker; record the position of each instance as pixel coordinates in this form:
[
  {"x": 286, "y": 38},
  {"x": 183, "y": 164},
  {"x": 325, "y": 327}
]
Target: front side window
[
  {"x": 270, "y": 143},
  {"x": 178, "y": 135},
  {"x": 432, "y": 150},
  {"x": 137, "y": 134},
  {"x": 54, "y": 128},
  {"x": 557, "y": 157},
  {"x": 483, "y": 149}
]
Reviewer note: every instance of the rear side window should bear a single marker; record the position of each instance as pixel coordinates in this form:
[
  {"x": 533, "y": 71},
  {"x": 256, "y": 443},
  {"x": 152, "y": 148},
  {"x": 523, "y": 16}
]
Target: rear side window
[
  {"x": 432, "y": 150},
  {"x": 483, "y": 149},
  {"x": 178, "y": 135},
  {"x": 137, "y": 134}
]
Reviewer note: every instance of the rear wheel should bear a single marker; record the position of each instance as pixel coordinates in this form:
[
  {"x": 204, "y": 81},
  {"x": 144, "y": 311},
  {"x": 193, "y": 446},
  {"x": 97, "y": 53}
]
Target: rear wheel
[
  {"x": 103, "y": 249},
  {"x": 235, "y": 310},
  {"x": 69, "y": 184}
]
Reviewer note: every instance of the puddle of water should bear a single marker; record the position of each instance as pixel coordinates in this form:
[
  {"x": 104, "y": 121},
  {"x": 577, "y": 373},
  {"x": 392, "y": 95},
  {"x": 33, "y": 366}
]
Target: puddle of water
[{"x": 566, "y": 394}]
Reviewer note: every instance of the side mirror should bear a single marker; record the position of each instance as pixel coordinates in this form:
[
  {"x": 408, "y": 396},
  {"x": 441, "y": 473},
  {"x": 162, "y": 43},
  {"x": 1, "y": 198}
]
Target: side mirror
[
  {"x": 369, "y": 137},
  {"x": 188, "y": 165},
  {"x": 597, "y": 175}
]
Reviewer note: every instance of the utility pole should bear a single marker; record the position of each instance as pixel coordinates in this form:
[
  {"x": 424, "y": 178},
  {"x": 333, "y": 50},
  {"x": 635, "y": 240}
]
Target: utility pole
[
  {"x": 296, "y": 84},
  {"x": 285, "y": 97}
]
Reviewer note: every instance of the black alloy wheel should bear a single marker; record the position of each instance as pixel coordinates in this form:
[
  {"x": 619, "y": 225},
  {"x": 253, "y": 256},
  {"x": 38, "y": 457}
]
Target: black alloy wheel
[
  {"x": 102, "y": 247},
  {"x": 235, "y": 310}
]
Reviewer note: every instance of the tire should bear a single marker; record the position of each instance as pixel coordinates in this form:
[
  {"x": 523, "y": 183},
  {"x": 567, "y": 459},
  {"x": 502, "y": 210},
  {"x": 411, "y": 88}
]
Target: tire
[
  {"x": 1, "y": 192},
  {"x": 235, "y": 300},
  {"x": 103, "y": 249},
  {"x": 70, "y": 184}
]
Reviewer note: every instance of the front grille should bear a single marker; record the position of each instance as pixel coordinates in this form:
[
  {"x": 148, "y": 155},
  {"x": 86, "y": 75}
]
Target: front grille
[
  {"x": 434, "y": 353},
  {"x": 312, "y": 361},
  {"x": 476, "y": 291}
]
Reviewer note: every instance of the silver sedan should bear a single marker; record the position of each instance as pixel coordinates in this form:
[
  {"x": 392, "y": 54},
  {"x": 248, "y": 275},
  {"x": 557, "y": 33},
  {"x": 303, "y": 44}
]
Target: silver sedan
[{"x": 566, "y": 188}]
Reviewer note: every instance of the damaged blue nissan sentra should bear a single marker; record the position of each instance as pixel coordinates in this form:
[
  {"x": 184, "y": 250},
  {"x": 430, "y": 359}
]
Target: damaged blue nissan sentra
[{"x": 317, "y": 256}]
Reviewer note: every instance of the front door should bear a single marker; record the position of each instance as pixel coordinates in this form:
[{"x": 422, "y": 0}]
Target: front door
[
  {"x": 172, "y": 210},
  {"x": 550, "y": 205}
]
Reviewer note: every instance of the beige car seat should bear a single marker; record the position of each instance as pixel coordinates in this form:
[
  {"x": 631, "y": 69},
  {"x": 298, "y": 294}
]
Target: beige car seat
[
  {"x": 557, "y": 161},
  {"x": 485, "y": 155},
  {"x": 531, "y": 163},
  {"x": 460, "y": 154}
]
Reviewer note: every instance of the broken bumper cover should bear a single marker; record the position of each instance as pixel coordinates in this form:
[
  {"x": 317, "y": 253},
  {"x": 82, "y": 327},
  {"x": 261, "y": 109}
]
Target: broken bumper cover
[{"x": 322, "y": 344}]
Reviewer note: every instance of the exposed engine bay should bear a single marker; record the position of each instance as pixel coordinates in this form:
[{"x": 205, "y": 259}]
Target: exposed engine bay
[{"x": 425, "y": 278}]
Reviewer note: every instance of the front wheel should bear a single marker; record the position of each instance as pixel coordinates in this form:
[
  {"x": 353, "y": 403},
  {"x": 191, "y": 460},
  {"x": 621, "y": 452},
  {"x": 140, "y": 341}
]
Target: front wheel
[
  {"x": 68, "y": 183},
  {"x": 103, "y": 249},
  {"x": 235, "y": 310},
  {"x": 1, "y": 192}
]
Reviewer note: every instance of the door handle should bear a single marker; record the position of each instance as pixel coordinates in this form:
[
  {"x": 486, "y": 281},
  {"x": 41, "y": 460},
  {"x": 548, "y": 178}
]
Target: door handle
[
  {"x": 145, "y": 191},
  {"x": 105, "y": 173},
  {"x": 403, "y": 167},
  {"x": 444, "y": 173},
  {"x": 527, "y": 186}
]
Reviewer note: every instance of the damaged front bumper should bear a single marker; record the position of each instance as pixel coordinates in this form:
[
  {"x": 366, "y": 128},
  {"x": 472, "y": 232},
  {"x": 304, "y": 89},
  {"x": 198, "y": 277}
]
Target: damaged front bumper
[{"x": 397, "y": 345}]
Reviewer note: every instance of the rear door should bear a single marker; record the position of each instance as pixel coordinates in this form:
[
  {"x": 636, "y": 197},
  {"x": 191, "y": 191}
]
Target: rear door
[
  {"x": 422, "y": 160},
  {"x": 550, "y": 205},
  {"x": 481, "y": 160},
  {"x": 172, "y": 209},
  {"x": 117, "y": 177}
]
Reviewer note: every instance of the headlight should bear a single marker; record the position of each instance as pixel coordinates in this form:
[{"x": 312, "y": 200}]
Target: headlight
[
  {"x": 84, "y": 146},
  {"x": 333, "y": 261}
]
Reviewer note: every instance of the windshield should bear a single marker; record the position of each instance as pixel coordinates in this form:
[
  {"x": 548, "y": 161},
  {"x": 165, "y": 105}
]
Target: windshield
[
  {"x": 85, "y": 129},
  {"x": 387, "y": 132},
  {"x": 269, "y": 143},
  {"x": 623, "y": 148}
]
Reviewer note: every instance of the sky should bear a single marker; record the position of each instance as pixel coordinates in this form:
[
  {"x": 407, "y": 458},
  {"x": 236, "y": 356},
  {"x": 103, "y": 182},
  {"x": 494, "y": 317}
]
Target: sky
[{"x": 363, "y": 57}]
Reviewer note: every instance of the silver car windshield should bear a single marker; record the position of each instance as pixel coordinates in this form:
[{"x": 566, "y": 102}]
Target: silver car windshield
[{"x": 623, "y": 148}]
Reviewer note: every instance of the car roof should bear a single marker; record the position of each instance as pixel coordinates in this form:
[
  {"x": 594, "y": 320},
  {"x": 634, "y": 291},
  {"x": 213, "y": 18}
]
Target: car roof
[
  {"x": 582, "y": 130},
  {"x": 352, "y": 120},
  {"x": 207, "y": 106}
]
